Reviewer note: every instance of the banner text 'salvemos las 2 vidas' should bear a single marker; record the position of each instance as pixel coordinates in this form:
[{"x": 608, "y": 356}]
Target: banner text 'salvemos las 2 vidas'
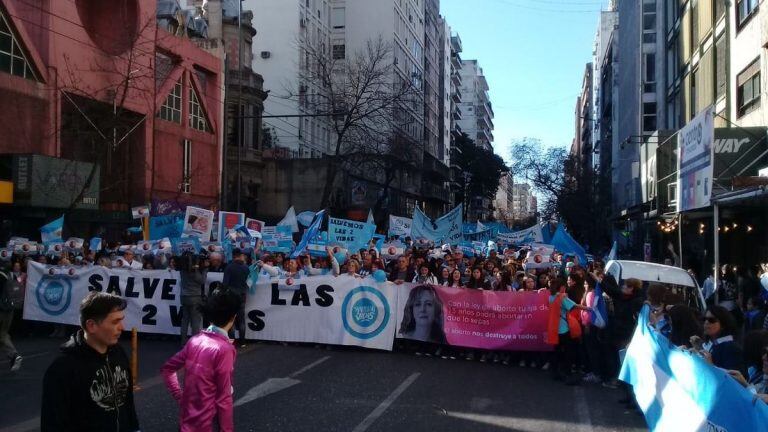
[
  {"x": 472, "y": 318},
  {"x": 321, "y": 309}
]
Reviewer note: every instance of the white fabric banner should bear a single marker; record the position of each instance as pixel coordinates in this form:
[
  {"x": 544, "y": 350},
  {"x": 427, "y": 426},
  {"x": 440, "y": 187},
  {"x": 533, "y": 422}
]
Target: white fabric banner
[
  {"x": 399, "y": 226},
  {"x": 333, "y": 310},
  {"x": 54, "y": 295},
  {"x": 320, "y": 309}
]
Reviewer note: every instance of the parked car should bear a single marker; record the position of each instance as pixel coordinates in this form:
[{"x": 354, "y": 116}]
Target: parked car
[{"x": 677, "y": 279}]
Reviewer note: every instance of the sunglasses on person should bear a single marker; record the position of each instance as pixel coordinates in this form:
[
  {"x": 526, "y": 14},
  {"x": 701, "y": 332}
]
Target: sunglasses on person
[{"x": 711, "y": 320}]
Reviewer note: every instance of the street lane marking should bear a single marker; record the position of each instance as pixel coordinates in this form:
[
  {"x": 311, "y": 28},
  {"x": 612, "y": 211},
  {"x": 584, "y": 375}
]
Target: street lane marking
[
  {"x": 274, "y": 385},
  {"x": 582, "y": 410},
  {"x": 268, "y": 387},
  {"x": 376, "y": 413},
  {"x": 308, "y": 367}
]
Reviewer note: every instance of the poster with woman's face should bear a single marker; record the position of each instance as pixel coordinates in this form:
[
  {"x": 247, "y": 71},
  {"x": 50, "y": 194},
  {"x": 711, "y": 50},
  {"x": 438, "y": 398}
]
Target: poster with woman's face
[
  {"x": 198, "y": 223},
  {"x": 423, "y": 316}
]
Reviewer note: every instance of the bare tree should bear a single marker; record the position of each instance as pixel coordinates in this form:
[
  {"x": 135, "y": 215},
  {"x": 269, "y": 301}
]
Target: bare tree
[
  {"x": 565, "y": 186},
  {"x": 370, "y": 104},
  {"x": 100, "y": 124}
]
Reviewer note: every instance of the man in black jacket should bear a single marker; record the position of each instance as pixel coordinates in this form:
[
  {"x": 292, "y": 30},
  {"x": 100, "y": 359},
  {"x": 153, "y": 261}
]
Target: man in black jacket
[
  {"x": 236, "y": 279},
  {"x": 89, "y": 386}
]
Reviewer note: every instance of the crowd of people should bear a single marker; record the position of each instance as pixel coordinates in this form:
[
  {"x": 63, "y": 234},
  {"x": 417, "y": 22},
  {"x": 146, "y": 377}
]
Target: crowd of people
[{"x": 732, "y": 334}]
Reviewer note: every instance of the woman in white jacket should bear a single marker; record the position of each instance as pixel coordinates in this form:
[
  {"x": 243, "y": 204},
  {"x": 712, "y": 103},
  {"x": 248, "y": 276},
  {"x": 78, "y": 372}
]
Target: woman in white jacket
[{"x": 424, "y": 276}]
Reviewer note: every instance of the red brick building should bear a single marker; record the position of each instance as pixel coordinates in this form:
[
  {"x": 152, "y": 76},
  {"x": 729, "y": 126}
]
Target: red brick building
[{"x": 102, "y": 82}]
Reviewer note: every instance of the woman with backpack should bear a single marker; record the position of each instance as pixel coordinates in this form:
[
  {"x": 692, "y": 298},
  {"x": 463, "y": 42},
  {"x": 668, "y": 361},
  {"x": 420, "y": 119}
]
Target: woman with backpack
[{"x": 563, "y": 332}]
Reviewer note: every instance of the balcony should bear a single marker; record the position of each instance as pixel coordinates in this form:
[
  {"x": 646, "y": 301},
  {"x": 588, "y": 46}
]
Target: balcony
[
  {"x": 456, "y": 43},
  {"x": 434, "y": 191},
  {"x": 456, "y": 96},
  {"x": 484, "y": 122},
  {"x": 484, "y": 136},
  {"x": 457, "y": 114},
  {"x": 456, "y": 61},
  {"x": 434, "y": 166},
  {"x": 456, "y": 78}
]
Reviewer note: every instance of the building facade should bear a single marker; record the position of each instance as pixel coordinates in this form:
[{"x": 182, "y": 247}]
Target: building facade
[
  {"x": 287, "y": 29},
  {"x": 476, "y": 111},
  {"x": 504, "y": 203},
  {"x": 523, "y": 202},
  {"x": 139, "y": 102}
]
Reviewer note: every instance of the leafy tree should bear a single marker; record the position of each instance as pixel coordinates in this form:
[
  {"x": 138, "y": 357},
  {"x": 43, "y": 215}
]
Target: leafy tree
[
  {"x": 564, "y": 185},
  {"x": 482, "y": 169}
]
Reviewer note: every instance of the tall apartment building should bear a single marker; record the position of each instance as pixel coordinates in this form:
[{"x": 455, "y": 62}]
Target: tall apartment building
[
  {"x": 523, "y": 201},
  {"x": 503, "y": 204},
  {"x": 475, "y": 106},
  {"x": 285, "y": 28},
  {"x": 582, "y": 147},
  {"x": 607, "y": 24}
]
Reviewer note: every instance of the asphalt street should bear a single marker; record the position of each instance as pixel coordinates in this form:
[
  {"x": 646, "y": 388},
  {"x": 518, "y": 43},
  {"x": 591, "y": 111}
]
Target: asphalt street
[{"x": 305, "y": 388}]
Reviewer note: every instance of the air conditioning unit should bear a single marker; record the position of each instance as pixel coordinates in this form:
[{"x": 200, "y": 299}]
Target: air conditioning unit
[{"x": 266, "y": 54}]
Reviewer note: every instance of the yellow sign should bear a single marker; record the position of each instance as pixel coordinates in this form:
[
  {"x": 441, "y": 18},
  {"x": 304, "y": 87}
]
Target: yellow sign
[{"x": 6, "y": 192}]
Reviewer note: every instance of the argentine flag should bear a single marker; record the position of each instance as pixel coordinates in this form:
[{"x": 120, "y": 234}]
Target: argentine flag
[{"x": 599, "y": 310}]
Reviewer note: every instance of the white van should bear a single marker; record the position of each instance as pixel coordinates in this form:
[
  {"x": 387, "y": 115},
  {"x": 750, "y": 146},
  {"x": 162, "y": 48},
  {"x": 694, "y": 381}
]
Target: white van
[{"x": 676, "y": 278}]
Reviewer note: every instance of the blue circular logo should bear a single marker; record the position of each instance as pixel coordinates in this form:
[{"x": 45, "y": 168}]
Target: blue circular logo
[
  {"x": 54, "y": 295},
  {"x": 365, "y": 312}
]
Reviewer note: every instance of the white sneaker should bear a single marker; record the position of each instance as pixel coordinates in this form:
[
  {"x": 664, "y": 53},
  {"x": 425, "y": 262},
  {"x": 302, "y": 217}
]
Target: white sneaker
[
  {"x": 16, "y": 363},
  {"x": 546, "y": 366}
]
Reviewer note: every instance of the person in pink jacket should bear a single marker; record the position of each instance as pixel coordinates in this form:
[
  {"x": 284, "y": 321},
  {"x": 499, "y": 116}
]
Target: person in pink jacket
[{"x": 208, "y": 359}]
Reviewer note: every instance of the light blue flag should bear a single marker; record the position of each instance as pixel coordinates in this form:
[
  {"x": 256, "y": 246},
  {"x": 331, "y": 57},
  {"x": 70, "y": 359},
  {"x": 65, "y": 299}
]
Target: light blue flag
[
  {"x": 482, "y": 236},
  {"x": 614, "y": 253},
  {"x": 370, "y": 219},
  {"x": 445, "y": 230},
  {"x": 95, "y": 244},
  {"x": 309, "y": 234},
  {"x": 52, "y": 231},
  {"x": 170, "y": 226},
  {"x": 563, "y": 242},
  {"x": 679, "y": 391},
  {"x": 352, "y": 234}
]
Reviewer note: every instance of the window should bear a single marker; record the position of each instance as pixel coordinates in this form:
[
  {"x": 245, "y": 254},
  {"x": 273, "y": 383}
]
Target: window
[
  {"x": 649, "y": 38},
  {"x": 695, "y": 22},
  {"x": 650, "y": 67},
  {"x": 748, "y": 93},
  {"x": 721, "y": 77},
  {"x": 694, "y": 95},
  {"x": 744, "y": 10},
  {"x": 171, "y": 109},
  {"x": 12, "y": 58},
  {"x": 649, "y": 20},
  {"x": 338, "y": 18},
  {"x": 339, "y": 52},
  {"x": 649, "y": 116},
  {"x": 196, "y": 115},
  {"x": 186, "y": 169}
]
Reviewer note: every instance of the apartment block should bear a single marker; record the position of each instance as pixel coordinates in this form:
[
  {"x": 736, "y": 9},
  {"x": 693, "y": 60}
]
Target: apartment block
[{"x": 476, "y": 111}]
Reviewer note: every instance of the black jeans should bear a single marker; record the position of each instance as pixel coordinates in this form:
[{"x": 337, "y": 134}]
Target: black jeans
[
  {"x": 565, "y": 356},
  {"x": 239, "y": 323}
]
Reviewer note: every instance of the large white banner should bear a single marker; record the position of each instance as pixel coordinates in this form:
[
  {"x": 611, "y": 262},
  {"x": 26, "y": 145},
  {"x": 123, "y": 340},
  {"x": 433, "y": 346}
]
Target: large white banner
[
  {"x": 333, "y": 310},
  {"x": 695, "y": 172},
  {"x": 54, "y": 295},
  {"x": 528, "y": 235},
  {"x": 320, "y": 309}
]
